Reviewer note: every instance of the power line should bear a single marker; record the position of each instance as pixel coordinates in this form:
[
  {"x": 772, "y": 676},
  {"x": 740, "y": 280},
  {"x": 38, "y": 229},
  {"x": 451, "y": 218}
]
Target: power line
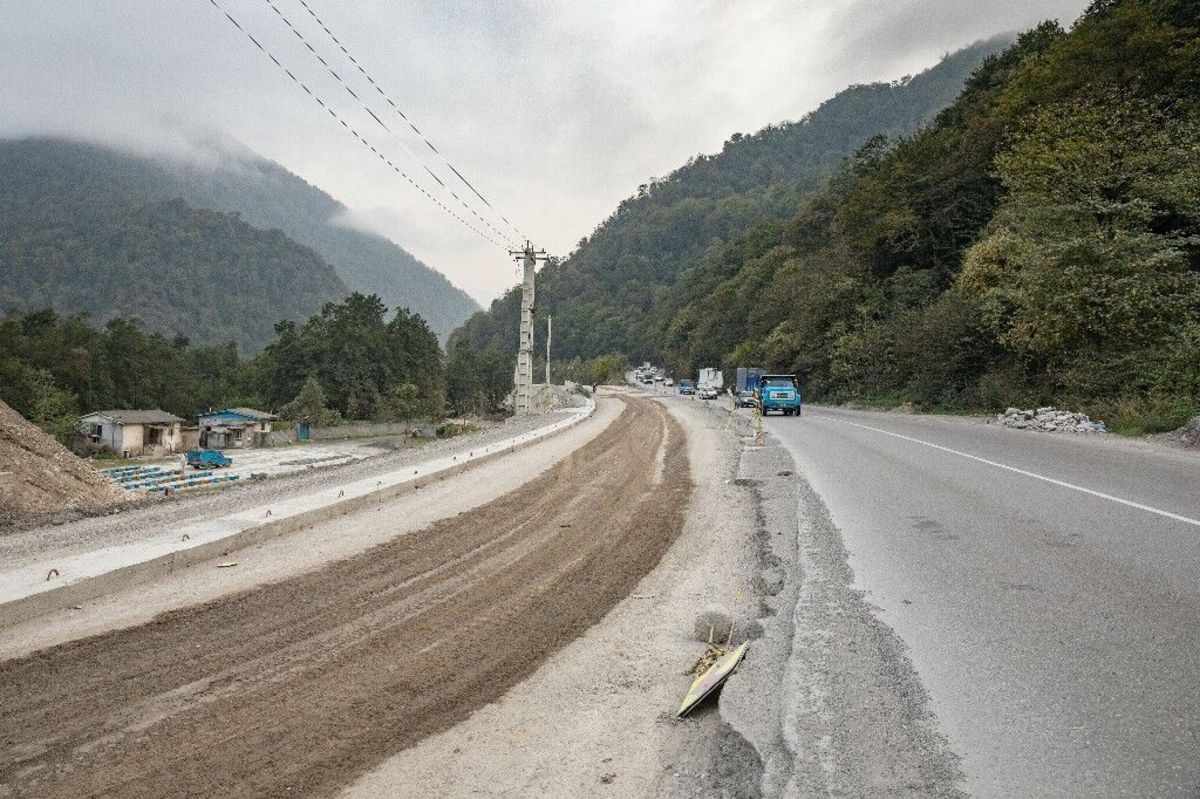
[
  {"x": 368, "y": 109},
  {"x": 405, "y": 117},
  {"x": 350, "y": 128}
]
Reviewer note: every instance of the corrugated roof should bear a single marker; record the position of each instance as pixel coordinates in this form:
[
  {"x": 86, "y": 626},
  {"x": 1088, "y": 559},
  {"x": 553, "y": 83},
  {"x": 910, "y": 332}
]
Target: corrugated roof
[
  {"x": 261, "y": 416},
  {"x": 248, "y": 413},
  {"x": 138, "y": 417}
]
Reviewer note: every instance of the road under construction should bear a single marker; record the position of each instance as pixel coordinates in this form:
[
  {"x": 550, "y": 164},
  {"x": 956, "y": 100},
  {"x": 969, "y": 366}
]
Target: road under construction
[{"x": 301, "y": 684}]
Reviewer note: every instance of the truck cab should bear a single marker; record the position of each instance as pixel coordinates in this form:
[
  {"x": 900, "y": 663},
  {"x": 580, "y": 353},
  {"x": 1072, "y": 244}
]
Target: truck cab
[
  {"x": 687, "y": 387},
  {"x": 778, "y": 393}
]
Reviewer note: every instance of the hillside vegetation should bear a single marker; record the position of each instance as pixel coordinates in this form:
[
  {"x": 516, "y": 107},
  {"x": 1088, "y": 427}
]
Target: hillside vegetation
[
  {"x": 224, "y": 177},
  {"x": 1037, "y": 243},
  {"x": 81, "y": 241},
  {"x": 348, "y": 359},
  {"x": 610, "y": 294}
]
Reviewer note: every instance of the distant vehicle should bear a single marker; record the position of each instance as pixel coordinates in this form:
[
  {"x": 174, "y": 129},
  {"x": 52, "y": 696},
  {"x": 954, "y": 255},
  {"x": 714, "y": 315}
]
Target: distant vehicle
[
  {"x": 778, "y": 393},
  {"x": 658, "y": 378},
  {"x": 707, "y": 393},
  {"x": 746, "y": 378},
  {"x": 207, "y": 459},
  {"x": 669, "y": 382},
  {"x": 687, "y": 387},
  {"x": 711, "y": 378},
  {"x": 745, "y": 399}
]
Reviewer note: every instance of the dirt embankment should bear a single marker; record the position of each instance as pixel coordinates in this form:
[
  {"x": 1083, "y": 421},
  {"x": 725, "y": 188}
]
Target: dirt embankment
[
  {"x": 297, "y": 687},
  {"x": 37, "y": 474}
]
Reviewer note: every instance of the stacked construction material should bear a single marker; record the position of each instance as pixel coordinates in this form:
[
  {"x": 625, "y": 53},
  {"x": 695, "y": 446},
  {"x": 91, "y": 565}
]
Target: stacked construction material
[{"x": 157, "y": 479}]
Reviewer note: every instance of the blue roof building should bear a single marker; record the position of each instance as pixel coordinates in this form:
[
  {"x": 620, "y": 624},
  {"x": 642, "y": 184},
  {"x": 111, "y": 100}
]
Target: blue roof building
[{"x": 234, "y": 427}]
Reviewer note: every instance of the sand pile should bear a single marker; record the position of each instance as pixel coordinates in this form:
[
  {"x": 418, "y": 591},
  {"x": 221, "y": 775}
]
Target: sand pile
[{"x": 37, "y": 474}]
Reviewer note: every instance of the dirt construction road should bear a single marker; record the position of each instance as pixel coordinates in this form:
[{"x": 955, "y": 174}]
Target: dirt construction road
[{"x": 298, "y": 687}]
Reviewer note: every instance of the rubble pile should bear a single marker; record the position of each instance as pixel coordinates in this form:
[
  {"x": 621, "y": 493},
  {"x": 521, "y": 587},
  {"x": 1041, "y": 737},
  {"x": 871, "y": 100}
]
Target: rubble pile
[
  {"x": 1050, "y": 420},
  {"x": 1189, "y": 434},
  {"x": 553, "y": 398}
]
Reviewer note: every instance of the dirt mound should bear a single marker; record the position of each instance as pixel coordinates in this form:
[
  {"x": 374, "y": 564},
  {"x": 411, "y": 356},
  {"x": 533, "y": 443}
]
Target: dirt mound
[{"x": 37, "y": 474}]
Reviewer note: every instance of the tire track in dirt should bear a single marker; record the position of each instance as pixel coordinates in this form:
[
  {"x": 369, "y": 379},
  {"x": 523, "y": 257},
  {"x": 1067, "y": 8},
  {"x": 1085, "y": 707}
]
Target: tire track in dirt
[{"x": 297, "y": 687}]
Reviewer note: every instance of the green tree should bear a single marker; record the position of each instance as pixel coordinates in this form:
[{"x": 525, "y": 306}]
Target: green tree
[{"x": 310, "y": 405}]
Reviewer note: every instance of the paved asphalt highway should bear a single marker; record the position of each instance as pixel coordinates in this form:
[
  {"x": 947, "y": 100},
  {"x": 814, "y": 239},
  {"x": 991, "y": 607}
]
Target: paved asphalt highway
[{"x": 1047, "y": 586}]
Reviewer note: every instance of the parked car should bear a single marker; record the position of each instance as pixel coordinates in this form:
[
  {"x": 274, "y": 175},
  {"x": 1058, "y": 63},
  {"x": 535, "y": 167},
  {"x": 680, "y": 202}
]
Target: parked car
[
  {"x": 707, "y": 393},
  {"x": 745, "y": 399},
  {"x": 669, "y": 382}
]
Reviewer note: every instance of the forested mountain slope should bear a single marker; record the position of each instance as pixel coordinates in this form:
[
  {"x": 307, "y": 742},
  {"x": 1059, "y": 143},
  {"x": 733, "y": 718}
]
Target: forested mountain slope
[
  {"x": 609, "y": 294},
  {"x": 78, "y": 240},
  {"x": 226, "y": 177},
  {"x": 1038, "y": 243}
]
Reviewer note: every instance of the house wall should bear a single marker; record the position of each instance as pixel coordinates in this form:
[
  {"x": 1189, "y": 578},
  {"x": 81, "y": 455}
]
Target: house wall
[
  {"x": 130, "y": 438},
  {"x": 189, "y": 438}
]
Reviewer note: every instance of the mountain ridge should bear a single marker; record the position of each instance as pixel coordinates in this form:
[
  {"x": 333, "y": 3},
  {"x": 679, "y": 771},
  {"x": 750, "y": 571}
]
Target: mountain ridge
[
  {"x": 229, "y": 178},
  {"x": 610, "y": 291}
]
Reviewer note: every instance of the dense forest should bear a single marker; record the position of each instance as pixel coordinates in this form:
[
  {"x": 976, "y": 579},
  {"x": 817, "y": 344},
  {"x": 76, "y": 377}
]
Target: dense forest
[
  {"x": 1037, "y": 242},
  {"x": 347, "y": 361},
  {"x": 82, "y": 242},
  {"x": 41, "y": 175},
  {"x": 609, "y": 294}
]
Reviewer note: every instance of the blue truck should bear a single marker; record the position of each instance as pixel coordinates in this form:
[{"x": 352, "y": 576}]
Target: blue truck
[
  {"x": 747, "y": 378},
  {"x": 207, "y": 459},
  {"x": 687, "y": 387},
  {"x": 778, "y": 393}
]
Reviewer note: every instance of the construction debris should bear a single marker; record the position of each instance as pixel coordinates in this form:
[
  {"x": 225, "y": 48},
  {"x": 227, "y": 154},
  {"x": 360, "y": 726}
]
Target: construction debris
[
  {"x": 1189, "y": 434},
  {"x": 711, "y": 679},
  {"x": 1051, "y": 420},
  {"x": 547, "y": 398}
]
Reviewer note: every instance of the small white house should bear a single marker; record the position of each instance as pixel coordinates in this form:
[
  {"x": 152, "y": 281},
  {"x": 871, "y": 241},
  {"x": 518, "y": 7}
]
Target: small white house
[
  {"x": 134, "y": 432},
  {"x": 234, "y": 427}
]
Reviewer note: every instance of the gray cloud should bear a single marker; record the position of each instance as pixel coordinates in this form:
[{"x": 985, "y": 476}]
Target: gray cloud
[{"x": 556, "y": 110}]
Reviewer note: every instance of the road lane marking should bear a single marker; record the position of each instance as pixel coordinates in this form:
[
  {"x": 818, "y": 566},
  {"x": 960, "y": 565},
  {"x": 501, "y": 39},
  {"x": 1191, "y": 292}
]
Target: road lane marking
[{"x": 1034, "y": 475}]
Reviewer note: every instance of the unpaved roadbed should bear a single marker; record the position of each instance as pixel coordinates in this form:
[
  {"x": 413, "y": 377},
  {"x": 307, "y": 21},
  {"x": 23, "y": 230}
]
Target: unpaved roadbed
[{"x": 298, "y": 686}]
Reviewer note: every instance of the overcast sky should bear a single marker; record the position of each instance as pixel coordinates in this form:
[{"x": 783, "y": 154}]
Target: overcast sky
[{"x": 554, "y": 110}]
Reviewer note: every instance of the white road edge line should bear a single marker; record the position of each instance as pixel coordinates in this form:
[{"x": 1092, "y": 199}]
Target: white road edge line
[{"x": 1034, "y": 475}]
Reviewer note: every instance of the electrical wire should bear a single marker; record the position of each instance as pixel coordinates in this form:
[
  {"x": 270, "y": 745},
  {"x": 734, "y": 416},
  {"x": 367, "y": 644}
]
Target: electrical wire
[
  {"x": 350, "y": 128},
  {"x": 405, "y": 117},
  {"x": 381, "y": 123}
]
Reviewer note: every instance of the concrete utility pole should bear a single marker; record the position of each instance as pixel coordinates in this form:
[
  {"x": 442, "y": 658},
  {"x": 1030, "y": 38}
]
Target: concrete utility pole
[
  {"x": 549, "y": 333},
  {"x": 523, "y": 383}
]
